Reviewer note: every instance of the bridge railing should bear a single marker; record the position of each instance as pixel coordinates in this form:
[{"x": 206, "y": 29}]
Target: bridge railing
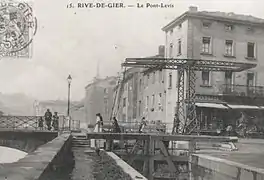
[
  {"x": 151, "y": 127},
  {"x": 32, "y": 123},
  {"x": 133, "y": 127}
]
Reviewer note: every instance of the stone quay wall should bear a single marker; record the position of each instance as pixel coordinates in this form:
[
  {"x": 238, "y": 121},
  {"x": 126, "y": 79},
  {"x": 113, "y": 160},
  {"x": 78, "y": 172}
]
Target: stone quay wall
[
  {"x": 43, "y": 162},
  {"x": 207, "y": 168}
]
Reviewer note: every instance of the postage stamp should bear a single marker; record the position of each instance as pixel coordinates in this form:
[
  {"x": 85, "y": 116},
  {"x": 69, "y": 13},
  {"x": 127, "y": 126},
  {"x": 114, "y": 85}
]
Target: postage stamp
[{"x": 17, "y": 29}]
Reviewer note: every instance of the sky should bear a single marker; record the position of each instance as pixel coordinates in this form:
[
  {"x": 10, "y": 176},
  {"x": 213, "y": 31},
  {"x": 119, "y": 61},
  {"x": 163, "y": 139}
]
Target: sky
[{"x": 75, "y": 41}]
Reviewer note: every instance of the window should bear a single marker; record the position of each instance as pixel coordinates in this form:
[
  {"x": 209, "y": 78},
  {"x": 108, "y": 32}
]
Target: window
[
  {"x": 171, "y": 50},
  {"x": 229, "y": 47},
  {"x": 140, "y": 84},
  {"x": 160, "y": 101},
  {"x": 179, "y": 46},
  {"x": 229, "y": 27},
  {"x": 153, "y": 100},
  {"x": 251, "y": 50},
  {"x": 206, "y": 45},
  {"x": 206, "y": 24},
  {"x": 124, "y": 102},
  {"x": 160, "y": 75},
  {"x": 228, "y": 77},
  {"x": 147, "y": 102},
  {"x": 153, "y": 78},
  {"x": 147, "y": 80},
  {"x": 228, "y": 81},
  {"x": 170, "y": 80},
  {"x": 250, "y": 79},
  {"x": 205, "y": 78},
  {"x": 139, "y": 108}
]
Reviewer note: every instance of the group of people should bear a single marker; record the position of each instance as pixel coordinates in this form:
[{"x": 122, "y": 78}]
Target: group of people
[
  {"x": 115, "y": 126},
  {"x": 50, "y": 120}
]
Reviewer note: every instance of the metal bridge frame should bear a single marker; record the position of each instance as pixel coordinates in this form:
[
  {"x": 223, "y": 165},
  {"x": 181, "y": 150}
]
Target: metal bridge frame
[
  {"x": 186, "y": 121},
  {"x": 151, "y": 148}
]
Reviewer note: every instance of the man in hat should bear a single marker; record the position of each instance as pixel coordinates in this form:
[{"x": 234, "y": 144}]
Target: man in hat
[{"x": 48, "y": 118}]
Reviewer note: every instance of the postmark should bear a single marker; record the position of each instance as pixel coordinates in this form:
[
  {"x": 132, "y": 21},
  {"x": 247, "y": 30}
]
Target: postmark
[{"x": 17, "y": 28}]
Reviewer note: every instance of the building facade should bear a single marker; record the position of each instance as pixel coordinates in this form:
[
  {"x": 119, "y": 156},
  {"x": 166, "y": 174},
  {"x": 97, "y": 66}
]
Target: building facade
[
  {"x": 128, "y": 95},
  {"x": 154, "y": 92},
  {"x": 99, "y": 97},
  {"x": 223, "y": 37},
  {"x": 143, "y": 94}
]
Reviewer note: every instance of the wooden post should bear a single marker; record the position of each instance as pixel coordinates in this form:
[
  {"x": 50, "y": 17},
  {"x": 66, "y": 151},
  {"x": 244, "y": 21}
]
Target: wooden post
[
  {"x": 151, "y": 160},
  {"x": 167, "y": 157},
  {"x": 108, "y": 145},
  {"x": 192, "y": 147},
  {"x": 146, "y": 161}
]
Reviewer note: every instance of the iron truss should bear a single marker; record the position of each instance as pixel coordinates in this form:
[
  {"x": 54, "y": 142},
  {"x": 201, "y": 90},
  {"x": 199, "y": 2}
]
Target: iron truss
[{"x": 185, "y": 121}]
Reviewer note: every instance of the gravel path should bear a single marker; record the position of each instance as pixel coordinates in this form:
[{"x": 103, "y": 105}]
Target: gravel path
[
  {"x": 84, "y": 165},
  {"x": 107, "y": 169},
  {"x": 90, "y": 166}
]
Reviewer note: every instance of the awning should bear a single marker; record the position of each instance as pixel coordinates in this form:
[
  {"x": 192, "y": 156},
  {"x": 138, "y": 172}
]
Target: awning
[
  {"x": 211, "y": 105},
  {"x": 242, "y": 106}
]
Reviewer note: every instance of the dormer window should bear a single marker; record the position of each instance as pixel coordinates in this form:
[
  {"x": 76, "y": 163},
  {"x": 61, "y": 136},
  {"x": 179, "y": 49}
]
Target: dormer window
[
  {"x": 229, "y": 27},
  {"x": 206, "y": 24}
]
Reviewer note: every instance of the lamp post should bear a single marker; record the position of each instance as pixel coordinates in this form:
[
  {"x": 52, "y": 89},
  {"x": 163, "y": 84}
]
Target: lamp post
[{"x": 69, "y": 79}]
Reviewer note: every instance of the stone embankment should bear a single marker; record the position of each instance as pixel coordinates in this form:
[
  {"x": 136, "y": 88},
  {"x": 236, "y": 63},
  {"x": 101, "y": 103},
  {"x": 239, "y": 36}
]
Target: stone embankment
[
  {"x": 40, "y": 164},
  {"x": 68, "y": 158}
]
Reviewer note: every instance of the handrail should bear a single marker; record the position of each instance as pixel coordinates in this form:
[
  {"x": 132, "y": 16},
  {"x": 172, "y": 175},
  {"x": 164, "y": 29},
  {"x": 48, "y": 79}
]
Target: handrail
[
  {"x": 32, "y": 122},
  {"x": 163, "y": 137},
  {"x": 242, "y": 90}
]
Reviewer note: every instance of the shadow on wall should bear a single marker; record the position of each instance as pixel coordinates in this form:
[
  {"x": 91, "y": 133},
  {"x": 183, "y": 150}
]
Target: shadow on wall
[
  {"x": 62, "y": 165},
  {"x": 25, "y": 141}
]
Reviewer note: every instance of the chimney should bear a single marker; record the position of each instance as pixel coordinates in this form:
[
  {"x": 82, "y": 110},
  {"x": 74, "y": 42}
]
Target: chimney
[
  {"x": 193, "y": 9},
  {"x": 162, "y": 50}
]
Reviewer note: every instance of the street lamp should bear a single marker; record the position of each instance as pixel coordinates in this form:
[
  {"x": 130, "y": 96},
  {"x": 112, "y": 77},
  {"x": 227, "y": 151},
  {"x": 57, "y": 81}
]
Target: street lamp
[{"x": 69, "y": 79}]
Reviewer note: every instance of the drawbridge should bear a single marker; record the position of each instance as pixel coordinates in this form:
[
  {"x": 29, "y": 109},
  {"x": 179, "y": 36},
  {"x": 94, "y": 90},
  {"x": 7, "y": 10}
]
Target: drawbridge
[{"x": 185, "y": 121}]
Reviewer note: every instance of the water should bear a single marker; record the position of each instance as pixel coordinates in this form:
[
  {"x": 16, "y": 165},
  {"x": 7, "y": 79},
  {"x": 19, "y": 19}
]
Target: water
[{"x": 10, "y": 155}]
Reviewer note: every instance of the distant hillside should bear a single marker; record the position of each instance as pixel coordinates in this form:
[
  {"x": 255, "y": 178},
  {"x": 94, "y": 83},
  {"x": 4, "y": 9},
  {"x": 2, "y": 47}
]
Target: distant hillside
[
  {"x": 16, "y": 104},
  {"x": 23, "y": 105}
]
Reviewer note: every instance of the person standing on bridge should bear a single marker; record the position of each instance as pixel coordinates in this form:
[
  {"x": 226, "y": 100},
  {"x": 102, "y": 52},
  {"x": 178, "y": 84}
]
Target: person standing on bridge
[
  {"x": 99, "y": 122},
  {"x": 48, "y": 118},
  {"x": 55, "y": 122},
  {"x": 116, "y": 127},
  {"x": 142, "y": 125},
  {"x": 98, "y": 128},
  {"x": 40, "y": 123}
]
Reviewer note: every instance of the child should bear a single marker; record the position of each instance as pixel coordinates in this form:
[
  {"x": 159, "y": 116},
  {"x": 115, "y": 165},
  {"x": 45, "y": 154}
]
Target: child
[{"x": 41, "y": 123}]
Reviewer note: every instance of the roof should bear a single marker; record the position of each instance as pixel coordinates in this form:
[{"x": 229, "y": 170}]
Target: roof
[
  {"x": 97, "y": 81},
  {"x": 216, "y": 15}
]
